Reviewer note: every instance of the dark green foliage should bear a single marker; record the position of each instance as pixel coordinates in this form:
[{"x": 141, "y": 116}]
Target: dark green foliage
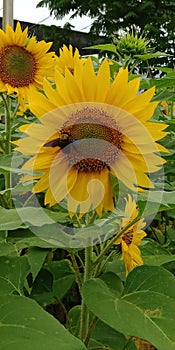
[{"x": 154, "y": 18}]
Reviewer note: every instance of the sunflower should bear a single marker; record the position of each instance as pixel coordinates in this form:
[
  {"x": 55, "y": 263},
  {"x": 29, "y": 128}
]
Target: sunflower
[
  {"x": 88, "y": 129},
  {"x": 131, "y": 238},
  {"x": 68, "y": 59},
  {"x": 23, "y": 62}
]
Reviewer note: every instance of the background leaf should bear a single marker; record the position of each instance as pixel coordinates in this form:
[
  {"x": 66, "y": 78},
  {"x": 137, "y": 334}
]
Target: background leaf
[
  {"x": 13, "y": 272},
  {"x": 63, "y": 277},
  {"x": 36, "y": 258}
]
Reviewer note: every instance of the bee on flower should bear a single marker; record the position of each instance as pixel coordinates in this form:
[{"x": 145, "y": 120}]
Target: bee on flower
[{"x": 108, "y": 131}]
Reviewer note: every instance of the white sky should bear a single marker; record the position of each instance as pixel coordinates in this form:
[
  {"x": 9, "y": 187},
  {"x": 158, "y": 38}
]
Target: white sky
[{"x": 27, "y": 11}]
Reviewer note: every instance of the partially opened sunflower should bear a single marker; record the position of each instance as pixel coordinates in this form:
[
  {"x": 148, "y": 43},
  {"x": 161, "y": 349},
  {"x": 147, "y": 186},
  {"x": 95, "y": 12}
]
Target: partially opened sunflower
[
  {"x": 131, "y": 238},
  {"x": 88, "y": 128},
  {"x": 67, "y": 59},
  {"x": 24, "y": 62}
]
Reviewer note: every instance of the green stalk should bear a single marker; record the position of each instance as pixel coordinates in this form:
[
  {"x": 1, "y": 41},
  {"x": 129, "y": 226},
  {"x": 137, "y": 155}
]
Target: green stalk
[
  {"x": 4, "y": 201},
  {"x": 88, "y": 270},
  {"x": 7, "y": 150},
  {"x": 76, "y": 268},
  {"x": 7, "y": 141},
  {"x": 91, "y": 329},
  {"x": 7, "y": 108},
  {"x": 84, "y": 317}
]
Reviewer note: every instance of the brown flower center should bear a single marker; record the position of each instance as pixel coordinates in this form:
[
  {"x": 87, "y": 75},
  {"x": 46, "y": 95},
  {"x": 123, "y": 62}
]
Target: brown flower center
[
  {"x": 71, "y": 70},
  {"x": 128, "y": 236},
  {"x": 94, "y": 139},
  {"x": 17, "y": 66}
]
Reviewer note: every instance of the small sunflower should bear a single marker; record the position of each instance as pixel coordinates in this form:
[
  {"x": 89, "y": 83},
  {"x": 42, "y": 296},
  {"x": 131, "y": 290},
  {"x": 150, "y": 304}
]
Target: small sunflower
[
  {"x": 68, "y": 59},
  {"x": 87, "y": 129},
  {"x": 24, "y": 62},
  {"x": 131, "y": 238}
]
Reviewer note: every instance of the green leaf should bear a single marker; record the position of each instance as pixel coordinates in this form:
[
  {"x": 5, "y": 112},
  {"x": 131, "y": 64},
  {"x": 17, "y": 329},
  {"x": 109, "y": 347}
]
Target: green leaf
[
  {"x": 152, "y": 55},
  {"x": 116, "y": 266},
  {"x": 114, "y": 183},
  {"x": 42, "y": 288},
  {"x": 10, "y": 163},
  {"x": 103, "y": 47},
  {"x": 163, "y": 95},
  {"x": 19, "y": 188},
  {"x": 53, "y": 282},
  {"x": 7, "y": 248},
  {"x": 113, "y": 282},
  {"x": 13, "y": 272},
  {"x": 74, "y": 320},
  {"x": 63, "y": 277},
  {"x": 157, "y": 201},
  {"x": 154, "y": 254},
  {"x": 36, "y": 258},
  {"x": 53, "y": 235},
  {"x": 145, "y": 310},
  {"x": 25, "y": 325},
  {"x": 24, "y": 238},
  {"x": 104, "y": 335},
  {"x": 150, "y": 247},
  {"x": 12, "y": 219}
]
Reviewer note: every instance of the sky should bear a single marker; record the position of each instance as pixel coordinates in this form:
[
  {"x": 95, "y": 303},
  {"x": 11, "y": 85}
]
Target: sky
[{"x": 27, "y": 11}]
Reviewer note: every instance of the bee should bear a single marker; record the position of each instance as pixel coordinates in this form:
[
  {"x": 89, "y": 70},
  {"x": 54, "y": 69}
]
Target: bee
[{"x": 64, "y": 140}]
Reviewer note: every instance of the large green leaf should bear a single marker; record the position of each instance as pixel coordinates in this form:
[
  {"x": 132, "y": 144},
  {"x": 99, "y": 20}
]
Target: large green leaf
[
  {"x": 24, "y": 238},
  {"x": 25, "y": 325},
  {"x": 13, "y": 272},
  {"x": 103, "y": 336},
  {"x": 12, "y": 219},
  {"x": 113, "y": 282},
  {"x": 145, "y": 310}
]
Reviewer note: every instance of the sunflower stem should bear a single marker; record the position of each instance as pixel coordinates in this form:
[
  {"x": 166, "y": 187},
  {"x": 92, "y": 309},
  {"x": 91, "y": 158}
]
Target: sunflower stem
[
  {"x": 4, "y": 201},
  {"x": 91, "y": 329},
  {"x": 7, "y": 109},
  {"x": 7, "y": 142},
  {"x": 84, "y": 317},
  {"x": 76, "y": 268}
]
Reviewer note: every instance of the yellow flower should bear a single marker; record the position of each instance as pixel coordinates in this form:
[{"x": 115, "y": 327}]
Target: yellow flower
[
  {"x": 164, "y": 105},
  {"x": 96, "y": 128},
  {"x": 167, "y": 109},
  {"x": 68, "y": 59},
  {"x": 131, "y": 238},
  {"x": 23, "y": 62}
]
